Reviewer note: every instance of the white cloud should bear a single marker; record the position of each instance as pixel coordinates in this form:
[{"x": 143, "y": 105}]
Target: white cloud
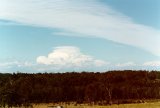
[
  {"x": 8, "y": 64},
  {"x": 12, "y": 64},
  {"x": 152, "y": 63},
  {"x": 84, "y": 17},
  {"x": 69, "y": 56},
  {"x": 127, "y": 64},
  {"x": 18, "y": 66},
  {"x": 100, "y": 63}
]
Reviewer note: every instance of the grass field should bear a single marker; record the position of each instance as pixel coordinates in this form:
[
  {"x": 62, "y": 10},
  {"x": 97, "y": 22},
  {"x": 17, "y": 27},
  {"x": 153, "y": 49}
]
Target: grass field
[{"x": 140, "y": 105}]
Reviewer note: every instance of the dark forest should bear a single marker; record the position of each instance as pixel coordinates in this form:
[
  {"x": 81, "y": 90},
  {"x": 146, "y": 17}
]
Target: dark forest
[{"x": 85, "y": 87}]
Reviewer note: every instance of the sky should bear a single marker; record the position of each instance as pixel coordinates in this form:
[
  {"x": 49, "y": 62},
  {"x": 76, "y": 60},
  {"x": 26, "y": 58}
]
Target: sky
[{"x": 79, "y": 35}]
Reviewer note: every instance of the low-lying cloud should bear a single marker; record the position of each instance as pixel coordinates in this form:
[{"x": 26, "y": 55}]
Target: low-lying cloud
[
  {"x": 127, "y": 64},
  {"x": 152, "y": 63},
  {"x": 69, "y": 56}
]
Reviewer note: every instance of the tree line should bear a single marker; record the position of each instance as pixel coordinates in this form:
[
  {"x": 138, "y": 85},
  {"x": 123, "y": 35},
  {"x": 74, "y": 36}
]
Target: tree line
[{"x": 18, "y": 89}]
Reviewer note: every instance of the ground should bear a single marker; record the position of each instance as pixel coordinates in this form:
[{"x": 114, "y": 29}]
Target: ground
[{"x": 140, "y": 105}]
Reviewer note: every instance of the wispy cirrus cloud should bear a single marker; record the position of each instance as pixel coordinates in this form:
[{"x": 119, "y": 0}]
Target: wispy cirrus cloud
[
  {"x": 8, "y": 23},
  {"x": 82, "y": 18}
]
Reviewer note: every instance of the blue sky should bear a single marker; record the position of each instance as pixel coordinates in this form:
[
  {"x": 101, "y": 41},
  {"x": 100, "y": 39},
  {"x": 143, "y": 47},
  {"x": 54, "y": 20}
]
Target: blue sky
[
  {"x": 141, "y": 11},
  {"x": 72, "y": 35}
]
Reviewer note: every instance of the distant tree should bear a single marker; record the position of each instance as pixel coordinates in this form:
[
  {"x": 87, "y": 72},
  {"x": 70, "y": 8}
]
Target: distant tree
[{"x": 22, "y": 89}]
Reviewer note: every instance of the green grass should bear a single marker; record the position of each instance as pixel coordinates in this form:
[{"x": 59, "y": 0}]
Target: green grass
[{"x": 140, "y": 105}]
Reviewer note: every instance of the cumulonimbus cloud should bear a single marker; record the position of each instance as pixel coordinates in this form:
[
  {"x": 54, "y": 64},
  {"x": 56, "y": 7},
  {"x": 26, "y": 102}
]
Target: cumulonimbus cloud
[
  {"x": 83, "y": 18},
  {"x": 69, "y": 56}
]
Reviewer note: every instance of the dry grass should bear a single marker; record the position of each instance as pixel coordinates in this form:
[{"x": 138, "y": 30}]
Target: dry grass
[{"x": 141, "y": 105}]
